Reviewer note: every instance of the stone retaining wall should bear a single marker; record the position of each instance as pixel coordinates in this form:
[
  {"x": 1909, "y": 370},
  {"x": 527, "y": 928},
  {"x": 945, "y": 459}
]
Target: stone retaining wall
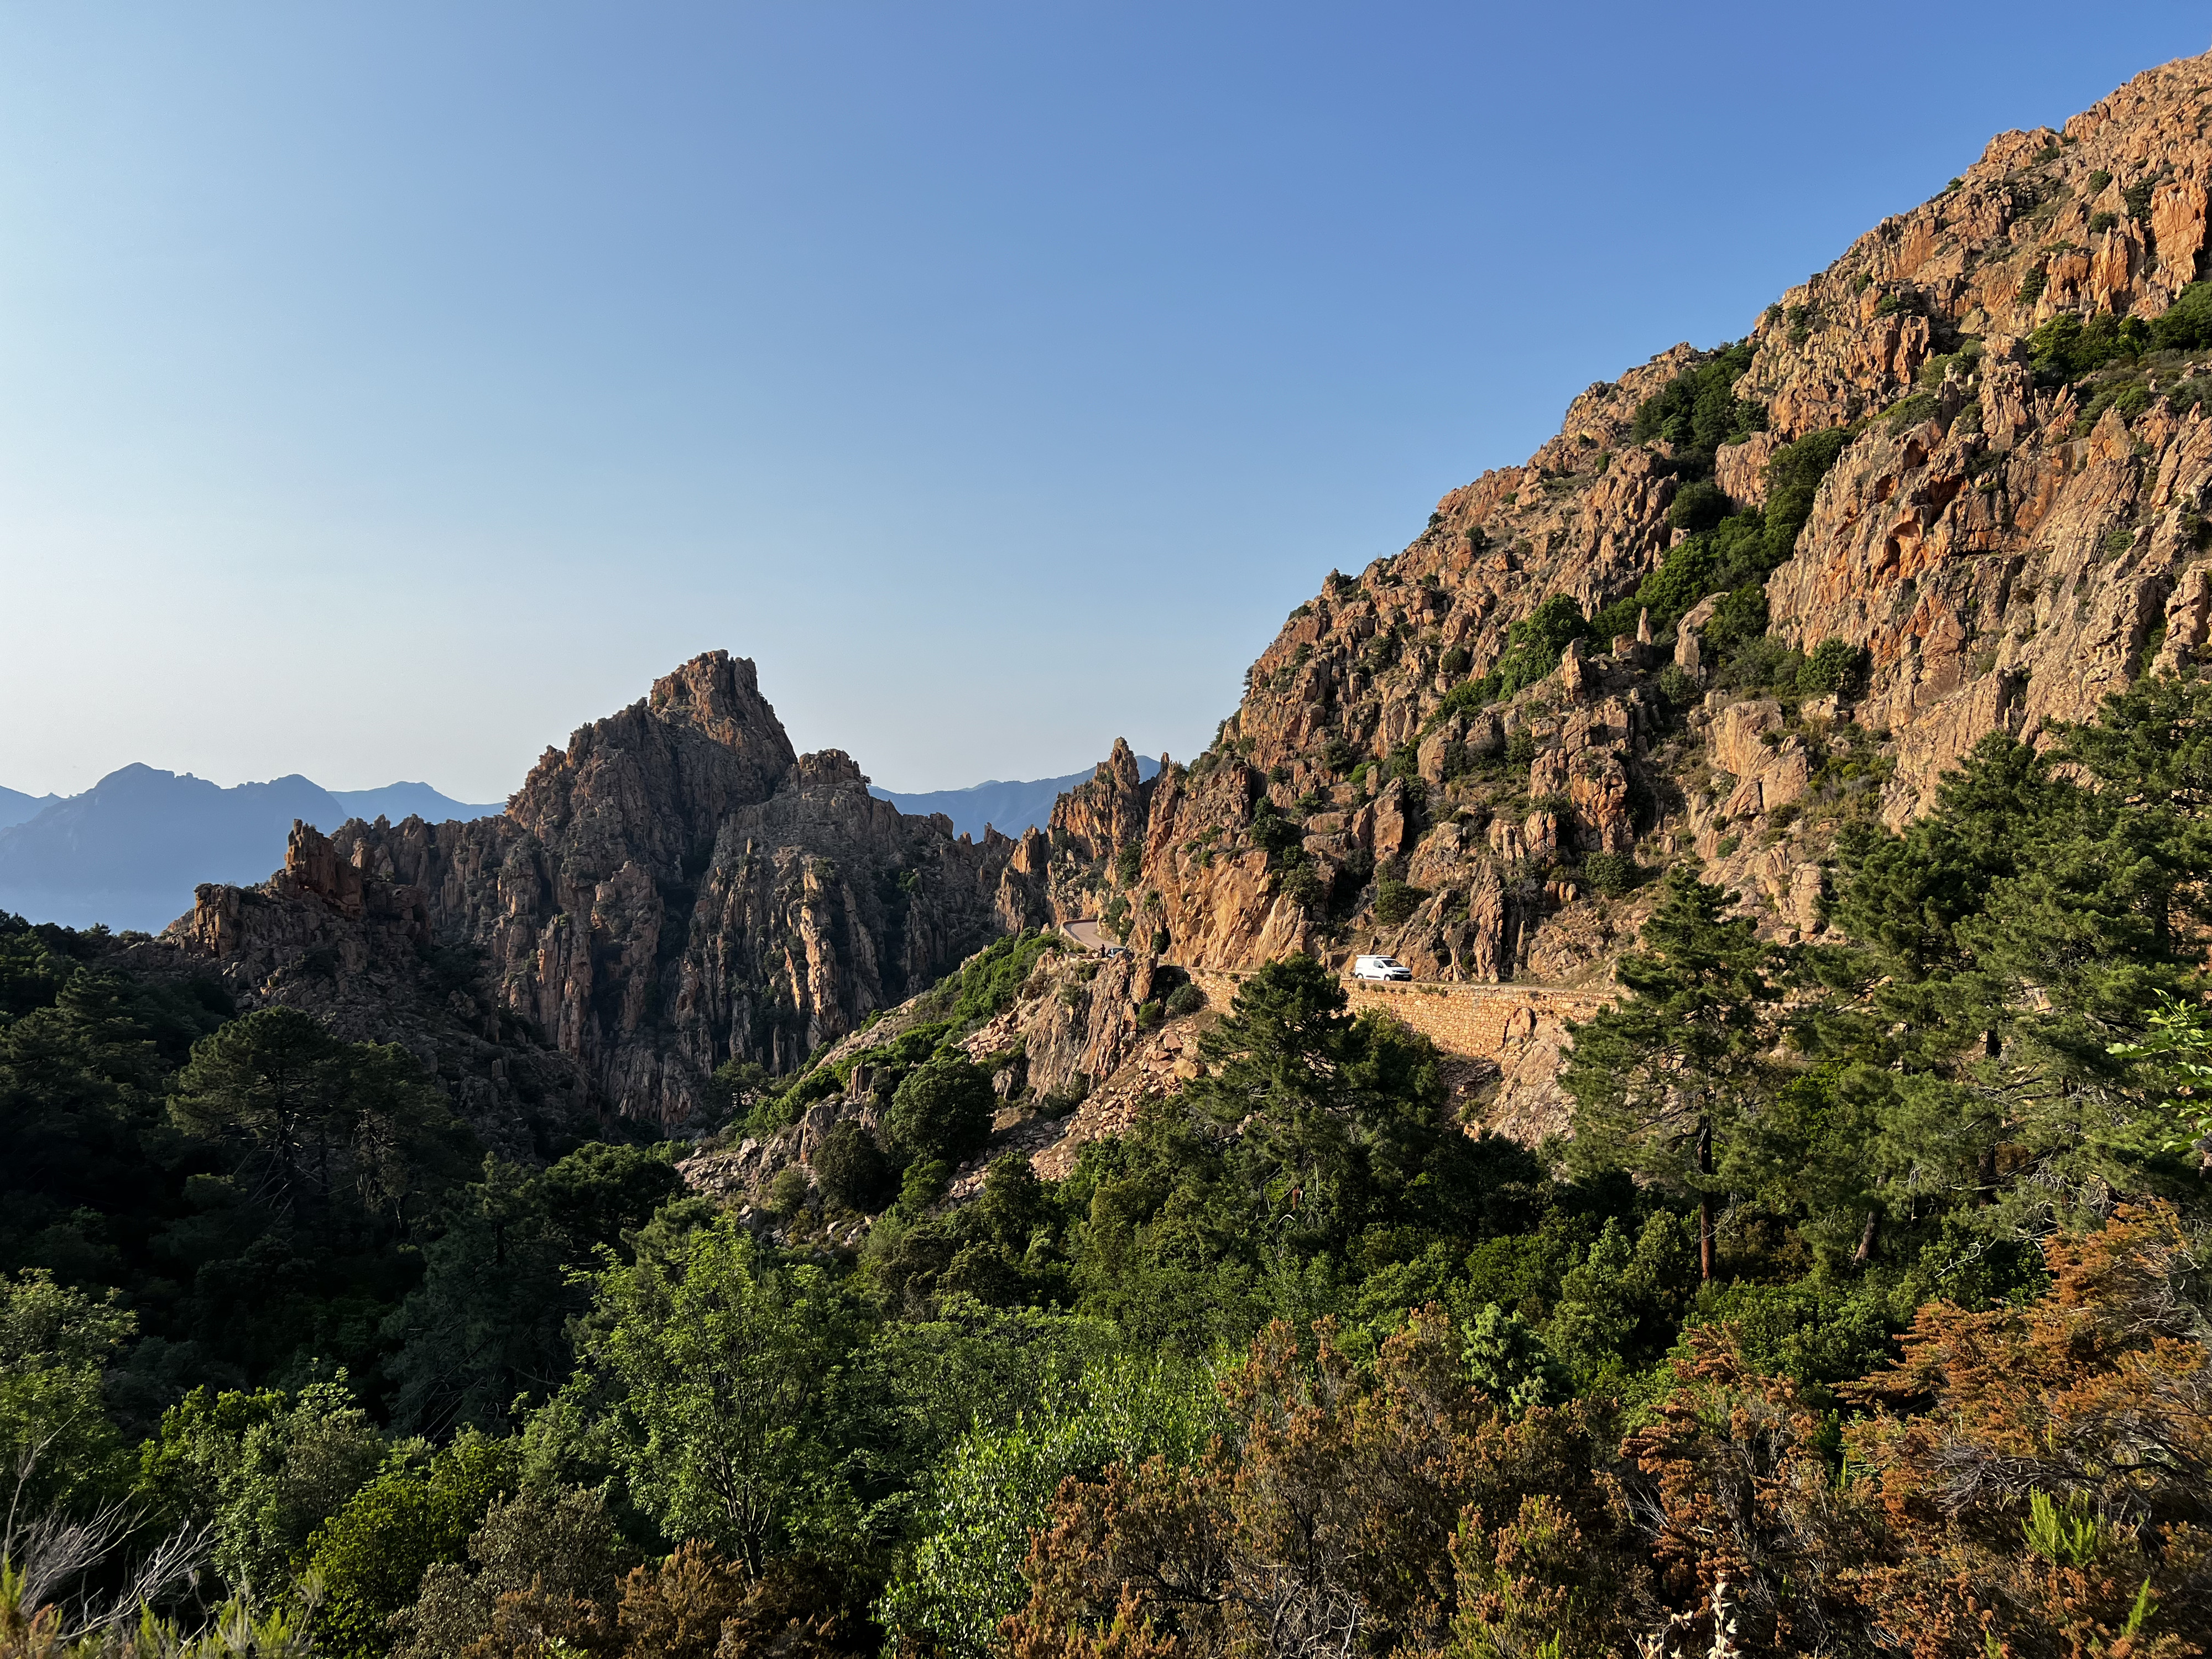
[{"x": 1490, "y": 1021}]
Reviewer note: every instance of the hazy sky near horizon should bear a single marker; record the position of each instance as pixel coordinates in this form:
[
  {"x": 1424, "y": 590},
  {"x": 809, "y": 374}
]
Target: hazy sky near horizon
[{"x": 385, "y": 389}]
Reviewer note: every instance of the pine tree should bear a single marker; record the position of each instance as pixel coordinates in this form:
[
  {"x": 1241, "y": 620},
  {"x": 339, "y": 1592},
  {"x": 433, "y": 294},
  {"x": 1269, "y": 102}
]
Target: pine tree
[{"x": 1663, "y": 1079}]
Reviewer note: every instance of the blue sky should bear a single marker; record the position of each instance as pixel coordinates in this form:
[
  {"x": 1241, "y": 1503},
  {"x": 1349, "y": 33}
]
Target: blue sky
[{"x": 385, "y": 389}]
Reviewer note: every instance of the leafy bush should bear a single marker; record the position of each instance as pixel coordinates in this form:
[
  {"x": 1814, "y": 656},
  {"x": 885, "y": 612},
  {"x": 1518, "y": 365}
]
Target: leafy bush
[
  {"x": 1739, "y": 618},
  {"x": 1272, "y": 832},
  {"x": 1521, "y": 748},
  {"x": 1185, "y": 999},
  {"x": 854, "y": 1172},
  {"x": 1128, "y": 862},
  {"x": 2066, "y": 347},
  {"x": 988, "y": 981},
  {"x": 372, "y": 1554},
  {"x": 1395, "y": 901},
  {"x": 2101, "y": 222},
  {"x": 1740, "y": 548},
  {"x": 1836, "y": 665},
  {"x": 942, "y": 1109},
  {"x": 2098, "y": 181},
  {"x": 1912, "y": 412},
  {"x": 1766, "y": 663},
  {"x": 1697, "y": 411},
  {"x": 2186, "y": 324},
  {"x": 788, "y": 1192},
  {"x": 1149, "y": 1014},
  {"x": 1455, "y": 662},
  {"x": 1698, "y": 505},
  {"x": 1302, "y": 883},
  {"x": 1532, "y": 647},
  {"x": 1611, "y": 874},
  {"x": 1938, "y": 367},
  {"x": 771, "y": 1113},
  {"x": 2030, "y": 287}
]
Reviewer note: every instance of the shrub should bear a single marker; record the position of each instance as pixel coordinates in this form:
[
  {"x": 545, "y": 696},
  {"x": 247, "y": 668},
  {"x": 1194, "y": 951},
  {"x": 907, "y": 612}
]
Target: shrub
[
  {"x": 373, "y": 1553},
  {"x": 1611, "y": 874},
  {"x": 1919, "y": 407},
  {"x": 1338, "y": 755},
  {"x": 1149, "y": 1014},
  {"x": 1676, "y": 686},
  {"x": 2098, "y": 181},
  {"x": 983, "y": 986},
  {"x": 1836, "y": 665},
  {"x": 1058, "y": 1102},
  {"x": 1272, "y": 832},
  {"x": 788, "y": 1192},
  {"x": 2030, "y": 287},
  {"x": 1455, "y": 662},
  {"x": 942, "y": 1109},
  {"x": 852, "y": 1169},
  {"x": 770, "y": 1113},
  {"x": 1937, "y": 369},
  {"x": 2186, "y": 324},
  {"x": 1698, "y": 506},
  {"x": 1302, "y": 883},
  {"x": 1185, "y": 999},
  {"x": 2137, "y": 196},
  {"x": 1532, "y": 648},
  {"x": 2066, "y": 346},
  {"x": 2101, "y": 222},
  {"x": 1128, "y": 862},
  {"x": 1395, "y": 901},
  {"x": 1740, "y": 549},
  {"x": 1738, "y": 619},
  {"x": 1697, "y": 411},
  {"x": 1767, "y": 662},
  {"x": 1521, "y": 748}
]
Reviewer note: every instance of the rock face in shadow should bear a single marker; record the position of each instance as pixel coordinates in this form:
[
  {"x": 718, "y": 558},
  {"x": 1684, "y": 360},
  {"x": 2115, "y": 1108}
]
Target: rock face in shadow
[{"x": 676, "y": 888}]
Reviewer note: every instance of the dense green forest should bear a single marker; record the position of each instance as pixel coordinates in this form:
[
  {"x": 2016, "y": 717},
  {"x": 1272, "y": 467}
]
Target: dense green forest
[{"x": 1866, "y": 1310}]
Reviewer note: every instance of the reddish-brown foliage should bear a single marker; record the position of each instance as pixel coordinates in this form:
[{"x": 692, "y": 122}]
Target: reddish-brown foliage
[
  {"x": 2093, "y": 1404},
  {"x": 2033, "y": 1482},
  {"x": 1340, "y": 1524}
]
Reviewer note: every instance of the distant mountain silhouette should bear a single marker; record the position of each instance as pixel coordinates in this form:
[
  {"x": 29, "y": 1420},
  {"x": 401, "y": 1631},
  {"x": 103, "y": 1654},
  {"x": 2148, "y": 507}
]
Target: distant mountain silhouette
[
  {"x": 16, "y": 806},
  {"x": 1009, "y": 808},
  {"x": 127, "y": 852}
]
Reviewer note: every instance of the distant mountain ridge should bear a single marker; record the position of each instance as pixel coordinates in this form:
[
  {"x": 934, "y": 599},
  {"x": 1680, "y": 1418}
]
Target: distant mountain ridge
[
  {"x": 1007, "y": 807},
  {"x": 16, "y": 806},
  {"x": 128, "y": 851}
]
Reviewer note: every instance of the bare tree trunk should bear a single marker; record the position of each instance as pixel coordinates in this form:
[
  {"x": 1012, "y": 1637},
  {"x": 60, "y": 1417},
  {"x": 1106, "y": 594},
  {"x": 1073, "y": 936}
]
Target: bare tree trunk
[
  {"x": 1708, "y": 1263},
  {"x": 1864, "y": 1254}
]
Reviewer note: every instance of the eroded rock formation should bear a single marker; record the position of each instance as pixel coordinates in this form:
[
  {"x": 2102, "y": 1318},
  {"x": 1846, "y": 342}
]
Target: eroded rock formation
[
  {"x": 675, "y": 889},
  {"x": 2005, "y": 547}
]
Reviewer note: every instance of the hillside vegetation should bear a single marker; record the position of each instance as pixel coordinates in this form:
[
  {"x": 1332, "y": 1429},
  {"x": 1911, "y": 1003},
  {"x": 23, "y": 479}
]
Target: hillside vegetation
[{"x": 1859, "y": 1305}]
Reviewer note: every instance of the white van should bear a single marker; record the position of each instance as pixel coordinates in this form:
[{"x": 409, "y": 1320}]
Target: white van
[{"x": 1380, "y": 968}]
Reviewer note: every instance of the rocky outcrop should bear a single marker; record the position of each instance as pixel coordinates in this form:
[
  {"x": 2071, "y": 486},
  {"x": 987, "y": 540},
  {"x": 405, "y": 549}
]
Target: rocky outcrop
[
  {"x": 1999, "y": 561},
  {"x": 1993, "y": 548},
  {"x": 675, "y": 889}
]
